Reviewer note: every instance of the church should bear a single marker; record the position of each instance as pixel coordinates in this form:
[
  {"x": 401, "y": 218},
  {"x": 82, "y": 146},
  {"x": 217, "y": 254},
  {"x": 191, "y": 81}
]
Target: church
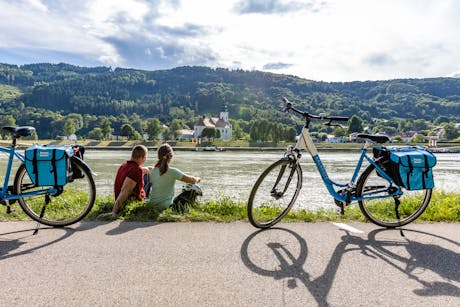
[{"x": 221, "y": 123}]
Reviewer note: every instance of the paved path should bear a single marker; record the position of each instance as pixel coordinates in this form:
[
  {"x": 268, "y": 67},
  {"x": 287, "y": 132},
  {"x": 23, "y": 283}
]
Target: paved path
[{"x": 207, "y": 264}]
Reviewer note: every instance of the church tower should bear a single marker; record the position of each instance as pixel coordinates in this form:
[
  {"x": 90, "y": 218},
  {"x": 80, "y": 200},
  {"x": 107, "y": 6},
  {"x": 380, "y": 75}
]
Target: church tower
[{"x": 224, "y": 115}]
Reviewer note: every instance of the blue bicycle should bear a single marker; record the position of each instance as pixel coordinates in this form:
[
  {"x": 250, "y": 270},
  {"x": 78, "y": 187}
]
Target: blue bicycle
[
  {"x": 53, "y": 205},
  {"x": 382, "y": 199}
]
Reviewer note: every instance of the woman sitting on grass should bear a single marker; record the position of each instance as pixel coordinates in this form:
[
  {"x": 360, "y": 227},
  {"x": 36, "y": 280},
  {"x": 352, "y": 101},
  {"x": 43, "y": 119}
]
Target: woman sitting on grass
[{"x": 163, "y": 179}]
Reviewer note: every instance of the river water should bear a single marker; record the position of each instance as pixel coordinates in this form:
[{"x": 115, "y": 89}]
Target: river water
[{"x": 232, "y": 173}]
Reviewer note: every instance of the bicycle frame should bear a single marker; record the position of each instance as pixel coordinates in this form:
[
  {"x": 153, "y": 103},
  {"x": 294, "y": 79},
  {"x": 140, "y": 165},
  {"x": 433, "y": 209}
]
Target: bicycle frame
[
  {"x": 6, "y": 194},
  {"x": 305, "y": 142}
]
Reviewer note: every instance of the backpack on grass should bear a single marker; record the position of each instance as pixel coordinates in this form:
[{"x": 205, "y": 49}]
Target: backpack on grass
[
  {"x": 409, "y": 166},
  {"x": 186, "y": 198}
]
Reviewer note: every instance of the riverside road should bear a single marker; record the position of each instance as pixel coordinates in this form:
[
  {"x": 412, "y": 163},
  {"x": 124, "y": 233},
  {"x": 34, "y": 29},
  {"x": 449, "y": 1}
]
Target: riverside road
[{"x": 229, "y": 264}]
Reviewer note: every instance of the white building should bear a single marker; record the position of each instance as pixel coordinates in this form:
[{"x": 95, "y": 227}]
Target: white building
[
  {"x": 221, "y": 123},
  {"x": 185, "y": 134}
]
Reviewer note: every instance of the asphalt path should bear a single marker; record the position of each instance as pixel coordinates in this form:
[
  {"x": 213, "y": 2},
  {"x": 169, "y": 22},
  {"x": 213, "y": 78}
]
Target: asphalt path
[{"x": 229, "y": 264}]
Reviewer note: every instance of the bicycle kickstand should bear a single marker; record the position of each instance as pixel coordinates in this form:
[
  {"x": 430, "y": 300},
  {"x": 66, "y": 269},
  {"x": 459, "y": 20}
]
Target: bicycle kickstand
[
  {"x": 9, "y": 210},
  {"x": 42, "y": 213}
]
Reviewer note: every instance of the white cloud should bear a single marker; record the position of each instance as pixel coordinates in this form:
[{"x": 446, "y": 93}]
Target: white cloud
[{"x": 328, "y": 40}]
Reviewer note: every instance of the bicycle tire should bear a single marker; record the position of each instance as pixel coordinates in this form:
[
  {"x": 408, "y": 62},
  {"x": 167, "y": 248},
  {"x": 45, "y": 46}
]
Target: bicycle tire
[
  {"x": 63, "y": 209},
  {"x": 267, "y": 205},
  {"x": 386, "y": 212}
]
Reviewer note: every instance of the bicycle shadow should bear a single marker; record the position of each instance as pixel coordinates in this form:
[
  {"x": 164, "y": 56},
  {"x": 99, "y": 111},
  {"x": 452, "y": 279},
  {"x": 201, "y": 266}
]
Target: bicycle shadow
[
  {"x": 20, "y": 238},
  {"x": 435, "y": 258},
  {"x": 15, "y": 240},
  {"x": 421, "y": 257}
]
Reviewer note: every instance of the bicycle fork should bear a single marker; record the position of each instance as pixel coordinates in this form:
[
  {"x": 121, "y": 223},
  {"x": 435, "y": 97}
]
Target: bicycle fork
[{"x": 274, "y": 192}]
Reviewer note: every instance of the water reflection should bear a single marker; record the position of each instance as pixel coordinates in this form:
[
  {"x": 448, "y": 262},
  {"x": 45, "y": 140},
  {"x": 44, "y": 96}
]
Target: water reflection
[{"x": 233, "y": 173}]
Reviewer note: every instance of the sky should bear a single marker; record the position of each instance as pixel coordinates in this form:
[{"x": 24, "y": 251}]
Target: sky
[{"x": 321, "y": 40}]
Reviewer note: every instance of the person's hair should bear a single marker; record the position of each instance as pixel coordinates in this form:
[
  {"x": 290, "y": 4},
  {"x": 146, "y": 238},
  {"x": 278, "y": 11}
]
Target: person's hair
[
  {"x": 165, "y": 155},
  {"x": 139, "y": 152}
]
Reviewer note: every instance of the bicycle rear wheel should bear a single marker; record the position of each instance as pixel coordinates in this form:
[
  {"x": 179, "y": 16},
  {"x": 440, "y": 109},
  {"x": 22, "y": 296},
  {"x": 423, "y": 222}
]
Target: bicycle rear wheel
[
  {"x": 386, "y": 211},
  {"x": 274, "y": 193},
  {"x": 66, "y": 208}
]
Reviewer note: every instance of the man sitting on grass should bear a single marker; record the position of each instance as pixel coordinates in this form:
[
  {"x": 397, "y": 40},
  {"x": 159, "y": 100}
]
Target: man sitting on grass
[{"x": 129, "y": 181}]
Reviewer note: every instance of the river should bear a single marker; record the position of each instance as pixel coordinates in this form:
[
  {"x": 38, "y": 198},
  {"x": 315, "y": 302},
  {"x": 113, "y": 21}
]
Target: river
[{"x": 232, "y": 173}]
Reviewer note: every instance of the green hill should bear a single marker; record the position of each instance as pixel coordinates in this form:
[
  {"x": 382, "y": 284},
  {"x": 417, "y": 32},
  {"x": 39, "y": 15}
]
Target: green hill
[{"x": 186, "y": 92}]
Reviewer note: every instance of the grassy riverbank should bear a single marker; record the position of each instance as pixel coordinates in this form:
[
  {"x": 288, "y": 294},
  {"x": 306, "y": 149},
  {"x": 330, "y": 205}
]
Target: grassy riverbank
[{"x": 444, "y": 207}]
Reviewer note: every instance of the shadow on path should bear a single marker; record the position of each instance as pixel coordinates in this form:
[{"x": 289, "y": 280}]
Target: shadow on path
[
  {"x": 125, "y": 226},
  {"x": 11, "y": 243},
  {"x": 279, "y": 256}
]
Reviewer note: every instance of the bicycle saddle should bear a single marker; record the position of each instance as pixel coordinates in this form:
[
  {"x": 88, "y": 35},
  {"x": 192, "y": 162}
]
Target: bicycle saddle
[
  {"x": 379, "y": 139},
  {"x": 19, "y": 131}
]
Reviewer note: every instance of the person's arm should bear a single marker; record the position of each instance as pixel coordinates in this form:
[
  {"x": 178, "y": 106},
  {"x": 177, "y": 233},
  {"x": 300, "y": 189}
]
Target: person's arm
[
  {"x": 146, "y": 170},
  {"x": 126, "y": 190},
  {"x": 190, "y": 179}
]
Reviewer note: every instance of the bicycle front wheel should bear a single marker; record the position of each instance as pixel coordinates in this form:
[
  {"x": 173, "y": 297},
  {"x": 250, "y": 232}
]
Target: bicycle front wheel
[
  {"x": 274, "y": 193},
  {"x": 388, "y": 211},
  {"x": 62, "y": 209}
]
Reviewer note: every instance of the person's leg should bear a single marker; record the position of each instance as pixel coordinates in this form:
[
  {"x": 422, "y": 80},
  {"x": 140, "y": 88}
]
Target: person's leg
[{"x": 147, "y": 185}]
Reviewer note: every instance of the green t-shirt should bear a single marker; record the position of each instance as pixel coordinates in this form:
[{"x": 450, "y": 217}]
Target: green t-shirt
[{"x": 162, "y": 192}]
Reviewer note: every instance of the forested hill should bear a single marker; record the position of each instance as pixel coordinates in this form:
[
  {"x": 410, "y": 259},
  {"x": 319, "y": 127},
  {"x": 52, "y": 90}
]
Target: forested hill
[{"x": 191, "y": 91}]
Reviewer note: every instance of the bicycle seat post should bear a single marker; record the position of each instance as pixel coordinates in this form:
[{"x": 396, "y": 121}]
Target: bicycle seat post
[
  {"x": 14, "y": 143},
  {"x": 367, "y": 144}
]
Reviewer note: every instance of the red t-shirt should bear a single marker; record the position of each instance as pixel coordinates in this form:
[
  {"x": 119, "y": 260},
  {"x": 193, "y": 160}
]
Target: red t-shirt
[{"x": 134, "y": 171}]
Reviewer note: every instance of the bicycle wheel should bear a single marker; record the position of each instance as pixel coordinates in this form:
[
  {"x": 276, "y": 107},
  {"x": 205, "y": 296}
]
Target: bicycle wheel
[
  {"x": 389, "y": 211},
  {"x": 68, "y": 207},
  {"x": 274, "y": 193}
]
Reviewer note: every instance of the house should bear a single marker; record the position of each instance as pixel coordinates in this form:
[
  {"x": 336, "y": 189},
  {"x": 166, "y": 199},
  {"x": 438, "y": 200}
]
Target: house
[
  {"x": 221, "y": 123},
  {"x": 334, "y": 139},
  {"x": 184, "y": 134}
]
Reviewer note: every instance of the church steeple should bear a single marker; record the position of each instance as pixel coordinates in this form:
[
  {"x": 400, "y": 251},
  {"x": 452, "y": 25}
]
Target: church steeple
[{"x": 224, "y": 114}]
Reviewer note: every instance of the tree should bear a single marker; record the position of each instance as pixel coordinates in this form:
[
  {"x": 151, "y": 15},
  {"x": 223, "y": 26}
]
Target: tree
[
  {"x": 128, "y": 131},
  {"x": 237, "y": 133},
  {"x": 136, "y": 122},
  {"x": 70, "y": 126},
  {"x": 153, "y": 128},
  {"x": 356, "y": 124},
  {"x": 291, "y": 133},
  {"x": 105, "y": 128},
  {"x": 78, "y": 119},
  {"x": 210, "y": 133},
  {"x": 451, "y": 132},
  {"x": 339, "y": 132},
  {"x": 7, "y": 120},
  {"x": 418, "y": 138},
  {"x": 175, "y": 126},
  {"x": 96, "y": 134}
]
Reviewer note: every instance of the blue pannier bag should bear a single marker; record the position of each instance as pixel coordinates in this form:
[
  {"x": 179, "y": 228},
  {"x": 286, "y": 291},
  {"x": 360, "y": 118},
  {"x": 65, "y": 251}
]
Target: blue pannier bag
[
  {"x": 49, "y": 165},
  {"x": 409, "y": 166}
]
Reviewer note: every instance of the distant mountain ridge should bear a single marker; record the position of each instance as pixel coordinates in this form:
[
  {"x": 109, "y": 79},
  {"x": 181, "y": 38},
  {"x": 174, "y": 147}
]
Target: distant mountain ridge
[{"x": 103, "y": 91}]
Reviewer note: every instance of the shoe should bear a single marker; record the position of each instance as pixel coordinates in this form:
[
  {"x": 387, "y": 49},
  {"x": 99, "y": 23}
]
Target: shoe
[{"x": 109, "y": 216}]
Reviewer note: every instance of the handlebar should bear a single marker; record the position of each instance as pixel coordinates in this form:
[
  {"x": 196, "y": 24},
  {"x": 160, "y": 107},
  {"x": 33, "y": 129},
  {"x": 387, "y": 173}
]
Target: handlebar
[{"x": 288, "y": 106}]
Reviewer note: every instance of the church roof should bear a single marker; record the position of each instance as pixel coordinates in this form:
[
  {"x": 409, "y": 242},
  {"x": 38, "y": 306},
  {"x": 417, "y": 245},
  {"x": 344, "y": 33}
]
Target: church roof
[{"x": 212, "y": 122}]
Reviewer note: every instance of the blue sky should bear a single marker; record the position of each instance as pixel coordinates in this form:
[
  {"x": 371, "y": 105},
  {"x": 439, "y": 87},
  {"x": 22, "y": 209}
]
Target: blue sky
[{"x": 330, "y": 40}]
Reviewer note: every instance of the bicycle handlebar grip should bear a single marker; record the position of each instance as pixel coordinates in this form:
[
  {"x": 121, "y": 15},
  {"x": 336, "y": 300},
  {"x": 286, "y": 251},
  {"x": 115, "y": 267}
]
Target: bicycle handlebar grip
[{"x": 287, "y": 106}]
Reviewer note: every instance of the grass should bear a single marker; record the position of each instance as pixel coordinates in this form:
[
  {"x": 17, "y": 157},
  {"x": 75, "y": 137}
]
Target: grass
[{"x": 444, "y": 207}]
